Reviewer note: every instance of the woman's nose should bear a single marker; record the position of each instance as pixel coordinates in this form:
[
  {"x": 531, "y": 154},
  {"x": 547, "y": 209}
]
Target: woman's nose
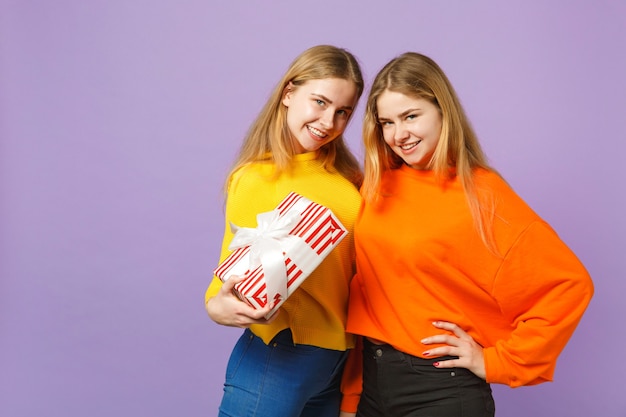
[
  {"x": 327, "y": 120},
  {"x": 400, "y": 133}
]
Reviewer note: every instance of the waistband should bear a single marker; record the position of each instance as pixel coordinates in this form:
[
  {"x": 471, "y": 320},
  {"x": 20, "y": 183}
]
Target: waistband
[{"x": 373, "y": 347}]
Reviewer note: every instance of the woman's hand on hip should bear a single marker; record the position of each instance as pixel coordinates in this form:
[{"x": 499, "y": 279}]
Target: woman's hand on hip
[{"x": 459, "y": 343}]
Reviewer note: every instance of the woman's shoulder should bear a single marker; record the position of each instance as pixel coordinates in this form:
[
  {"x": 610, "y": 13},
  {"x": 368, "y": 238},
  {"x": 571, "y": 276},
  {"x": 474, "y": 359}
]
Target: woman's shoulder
[
  {"x": 252, "y": 172},
  {"x": 507, "y": 202},
  {"x": 489, "y": 176},
  {"x": 491, "y": 181}
]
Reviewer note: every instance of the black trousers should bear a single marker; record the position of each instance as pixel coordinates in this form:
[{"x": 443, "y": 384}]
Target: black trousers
[{"x": 396, "y": 384}]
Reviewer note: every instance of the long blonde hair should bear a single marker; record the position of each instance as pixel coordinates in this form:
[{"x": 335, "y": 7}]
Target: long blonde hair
[
  {"x": 417, "y": 75},
  {"x": 269, "y": 136}
]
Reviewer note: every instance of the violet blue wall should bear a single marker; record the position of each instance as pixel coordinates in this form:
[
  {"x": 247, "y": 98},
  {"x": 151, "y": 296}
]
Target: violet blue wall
[{"x": 119, "y": 119}]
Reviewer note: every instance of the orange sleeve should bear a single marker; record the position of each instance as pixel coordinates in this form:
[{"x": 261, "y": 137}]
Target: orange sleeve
[
  {"x": 544, "y": 290},
  {"x": 352, "y": 380}
]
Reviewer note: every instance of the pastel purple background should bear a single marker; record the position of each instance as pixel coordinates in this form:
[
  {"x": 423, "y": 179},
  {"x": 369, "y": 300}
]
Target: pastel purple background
[{"x": 119, "y": 119}]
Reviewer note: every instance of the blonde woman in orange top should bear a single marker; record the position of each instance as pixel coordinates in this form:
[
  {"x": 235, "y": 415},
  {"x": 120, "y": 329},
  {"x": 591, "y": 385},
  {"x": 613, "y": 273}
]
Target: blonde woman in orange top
[{"x": 459, "y": 283}]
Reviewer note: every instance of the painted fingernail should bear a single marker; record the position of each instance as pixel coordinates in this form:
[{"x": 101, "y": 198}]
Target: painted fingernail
[
  {"x": 426, "y": 353},
  {"x": 436, "y": 364}
]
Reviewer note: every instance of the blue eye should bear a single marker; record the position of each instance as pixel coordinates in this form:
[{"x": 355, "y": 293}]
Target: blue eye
[{"x": 320, "y": 102}]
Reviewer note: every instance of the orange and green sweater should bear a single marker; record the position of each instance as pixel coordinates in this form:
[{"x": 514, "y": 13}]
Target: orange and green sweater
[
  {"x": 420, "y": 259},
  {"x": 316, "y": 312}
]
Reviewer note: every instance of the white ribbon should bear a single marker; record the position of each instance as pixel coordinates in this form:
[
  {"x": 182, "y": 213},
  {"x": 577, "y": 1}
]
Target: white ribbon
[{"x": 266, "y": 243}]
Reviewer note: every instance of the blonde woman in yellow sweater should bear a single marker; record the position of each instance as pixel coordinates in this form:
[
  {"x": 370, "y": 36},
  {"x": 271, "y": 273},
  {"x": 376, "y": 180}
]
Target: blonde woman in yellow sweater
[
  {"x": 459, "y": 282},
  {"x": 291, "y": 364}
]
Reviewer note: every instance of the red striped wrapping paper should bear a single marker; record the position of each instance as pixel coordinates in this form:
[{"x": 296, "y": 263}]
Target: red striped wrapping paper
[{"x": 314, "y": 236}]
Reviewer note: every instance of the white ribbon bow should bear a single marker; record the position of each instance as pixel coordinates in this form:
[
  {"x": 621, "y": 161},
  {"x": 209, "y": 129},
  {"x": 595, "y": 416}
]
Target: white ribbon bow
[{"x": 266, "y": 243}]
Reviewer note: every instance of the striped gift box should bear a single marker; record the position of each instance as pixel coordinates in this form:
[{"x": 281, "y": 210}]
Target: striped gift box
[{"x": 316, "y": 232}]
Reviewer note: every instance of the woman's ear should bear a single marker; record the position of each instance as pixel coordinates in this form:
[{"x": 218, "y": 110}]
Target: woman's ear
[{"x": 287, "y": 92}]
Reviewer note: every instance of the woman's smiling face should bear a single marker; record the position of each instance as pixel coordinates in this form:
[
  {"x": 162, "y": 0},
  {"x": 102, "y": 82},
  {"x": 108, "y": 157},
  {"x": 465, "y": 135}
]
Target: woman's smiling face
[
  {"x": 318, "y": 111},
  {"x": 411, "y": 127}
]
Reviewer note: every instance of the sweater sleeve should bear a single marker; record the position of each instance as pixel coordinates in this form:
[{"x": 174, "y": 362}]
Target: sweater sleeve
[
  {"x": 352, "y": 378},
  {"x": 216, "y": 283},
  {"x": 233, "y": 213},
  {"x": 543, "y": 289}
]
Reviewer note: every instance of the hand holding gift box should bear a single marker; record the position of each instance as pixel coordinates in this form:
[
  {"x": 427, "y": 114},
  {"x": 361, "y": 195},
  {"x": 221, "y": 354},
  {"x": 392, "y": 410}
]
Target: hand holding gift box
[{"x": 288, "y": 243}]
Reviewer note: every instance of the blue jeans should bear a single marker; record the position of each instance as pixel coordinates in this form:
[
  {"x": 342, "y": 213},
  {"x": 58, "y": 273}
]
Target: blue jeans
[{"x": 281, "y": 379}]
